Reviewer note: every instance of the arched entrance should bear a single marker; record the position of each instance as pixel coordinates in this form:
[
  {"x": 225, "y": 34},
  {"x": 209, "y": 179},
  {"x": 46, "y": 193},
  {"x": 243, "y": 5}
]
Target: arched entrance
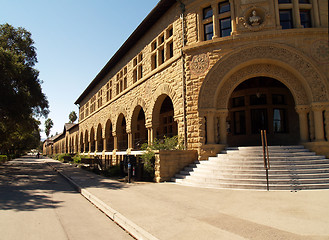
[
  {"x": 139, "y": 130},
  {"x": 167, "y": 126},
  {"x": 262, "y": 103},
  {"x": 121, "y": 132}
]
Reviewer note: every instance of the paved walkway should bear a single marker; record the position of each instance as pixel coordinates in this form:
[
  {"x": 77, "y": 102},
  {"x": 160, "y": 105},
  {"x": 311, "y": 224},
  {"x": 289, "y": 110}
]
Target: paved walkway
[{"x": 170, "y": 211}]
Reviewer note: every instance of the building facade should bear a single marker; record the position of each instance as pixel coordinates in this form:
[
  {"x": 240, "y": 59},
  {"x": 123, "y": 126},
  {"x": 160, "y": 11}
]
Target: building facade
[{"x": 215, "y": 73}]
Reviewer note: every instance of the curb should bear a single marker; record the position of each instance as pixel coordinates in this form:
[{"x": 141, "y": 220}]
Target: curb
[{"x": 133, "y": 229}]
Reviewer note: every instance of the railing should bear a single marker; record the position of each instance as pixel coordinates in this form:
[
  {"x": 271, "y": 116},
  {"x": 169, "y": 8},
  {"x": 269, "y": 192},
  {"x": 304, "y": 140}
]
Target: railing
[{"x": 265, "y": 156}]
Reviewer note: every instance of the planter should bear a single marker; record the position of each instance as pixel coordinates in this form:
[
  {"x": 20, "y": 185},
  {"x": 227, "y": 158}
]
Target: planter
[{"x": 170, "y": 162}]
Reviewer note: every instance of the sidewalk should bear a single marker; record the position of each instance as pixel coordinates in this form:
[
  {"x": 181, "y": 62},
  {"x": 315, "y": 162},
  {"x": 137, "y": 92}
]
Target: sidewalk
[{"x": 170, "y": 211}]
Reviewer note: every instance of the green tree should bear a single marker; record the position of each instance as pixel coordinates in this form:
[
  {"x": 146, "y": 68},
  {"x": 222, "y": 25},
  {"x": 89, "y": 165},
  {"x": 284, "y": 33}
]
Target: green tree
[
  {"x": 73, "y": 117},
  {"x": 21, "y": 96},
  {"x": 48, "y": 125}
]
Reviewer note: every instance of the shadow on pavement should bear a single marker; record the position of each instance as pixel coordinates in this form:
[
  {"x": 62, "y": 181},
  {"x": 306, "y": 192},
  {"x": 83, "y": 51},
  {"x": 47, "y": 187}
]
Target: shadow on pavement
[
  {"x": 86, "y": 178},
  {"x": 27, "y": 184}
]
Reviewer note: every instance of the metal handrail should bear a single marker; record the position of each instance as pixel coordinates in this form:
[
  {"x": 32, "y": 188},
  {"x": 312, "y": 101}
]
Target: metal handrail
[{"x": 265, "y": 155}]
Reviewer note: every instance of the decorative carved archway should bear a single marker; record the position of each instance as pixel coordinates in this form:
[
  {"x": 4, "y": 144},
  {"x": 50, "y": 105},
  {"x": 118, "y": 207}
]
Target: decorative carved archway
[{"x": 294, "y": 69}]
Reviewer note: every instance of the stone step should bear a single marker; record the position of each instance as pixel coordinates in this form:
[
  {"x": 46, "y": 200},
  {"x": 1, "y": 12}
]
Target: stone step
[
  {"x": 254, "y": 161},
  {"x": 257, "y": 172},
  {"x": 224, "y": 167},
  {"x": 288, "y": 181},
  {"x": 292, "y": 168},
  {"x": 291, "y": 187},
  {"x": 288, "y": 175}
]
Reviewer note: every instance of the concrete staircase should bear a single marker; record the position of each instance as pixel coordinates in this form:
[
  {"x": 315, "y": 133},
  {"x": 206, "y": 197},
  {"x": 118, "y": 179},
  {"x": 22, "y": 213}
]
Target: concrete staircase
[{"x": 291, "y": 168}]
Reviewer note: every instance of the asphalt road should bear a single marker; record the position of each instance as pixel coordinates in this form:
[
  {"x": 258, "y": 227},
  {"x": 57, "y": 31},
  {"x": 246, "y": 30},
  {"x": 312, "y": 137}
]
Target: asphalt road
[{"x": 37, "y": 203}]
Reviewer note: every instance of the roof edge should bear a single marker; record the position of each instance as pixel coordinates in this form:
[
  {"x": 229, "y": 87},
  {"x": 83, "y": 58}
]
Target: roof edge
[{"x": 157, "y": 12}]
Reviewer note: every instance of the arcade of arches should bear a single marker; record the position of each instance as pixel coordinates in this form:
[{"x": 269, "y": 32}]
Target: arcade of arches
[
  {"x": 116, "y": 136},
  {"x": 284, "y": 107}
]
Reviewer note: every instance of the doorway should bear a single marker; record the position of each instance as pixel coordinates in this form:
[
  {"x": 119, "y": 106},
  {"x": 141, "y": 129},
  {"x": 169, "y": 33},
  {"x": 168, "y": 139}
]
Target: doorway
[{"x": 262, "y": 103}]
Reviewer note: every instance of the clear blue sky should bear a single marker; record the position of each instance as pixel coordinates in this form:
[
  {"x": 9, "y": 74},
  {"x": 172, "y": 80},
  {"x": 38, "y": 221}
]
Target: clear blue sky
[{"x": 74, "y": 41}]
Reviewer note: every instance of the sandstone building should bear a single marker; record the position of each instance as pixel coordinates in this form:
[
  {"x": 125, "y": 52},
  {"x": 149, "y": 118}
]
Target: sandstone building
[{"x": 215, "y": 73}]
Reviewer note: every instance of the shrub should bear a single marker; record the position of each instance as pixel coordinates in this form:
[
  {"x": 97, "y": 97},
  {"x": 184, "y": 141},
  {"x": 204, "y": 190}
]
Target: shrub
[
  {"x": 3, "y": 158},
  {"x": 173, "y": 143},
  {"x": 62, "y": 157}
]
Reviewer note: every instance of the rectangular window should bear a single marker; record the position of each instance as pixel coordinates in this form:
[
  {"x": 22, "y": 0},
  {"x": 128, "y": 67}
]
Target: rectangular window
[
  {"x": 304, "y": 1},
  {"x": 154, "y": 45},
  {"x": 171, "y": 50},
  {"x": 135, "y": 75},
  {"x": 154, "y": 61},
  {"x": 125, "y": 83},
  {"x": 170, "y": 32},
  {"x": 278, "y": 99},
  {"x": 225, "y": 27},
  {"x": 239, "y": 122},
  {"x": 305, "y": 18},
  {"x": 258, "y": 120},
  {"x": 162, "y": 56},
  {"x": 161, "y": 39},
  {"x": 207, "y": 12},
  {"x": 284, "y": 1},
  {"x": 258, "y": 100},
  {"x": 279, "y": 125},
  {"x": 238, "y": 102},
  {"x": 224, "y": 7},
  {"x": 208, "y": 31},
  {"x": 286, "y": 19},
  {"x": 140, "y": 72}
]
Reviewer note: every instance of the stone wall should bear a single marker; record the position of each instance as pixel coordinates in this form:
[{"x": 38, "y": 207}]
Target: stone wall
[{"x": 168, "y": 163}]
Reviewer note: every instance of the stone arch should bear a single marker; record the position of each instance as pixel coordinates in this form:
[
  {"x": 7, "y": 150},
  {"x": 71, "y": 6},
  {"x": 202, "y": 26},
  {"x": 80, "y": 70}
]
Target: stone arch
[
  {"x": 138, "y": 102},
  {"x": 109, "y": 135},
  {"x": 92, "y": 139},
  {"x": 121, "y": 132},
  {"x": 120, "y": 112},
  {"x": 138, "y": 128},
  {"x": 294, "y": 69},
  {"x": 302, "y": 95},
  {"x": 159, "y": 95},
  {"x": 99, "y": 138}
]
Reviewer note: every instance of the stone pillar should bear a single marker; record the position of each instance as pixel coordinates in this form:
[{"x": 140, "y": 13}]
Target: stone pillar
[
  {"x": 210, "y": 128},
  {"x": 150, "y": 135},
  {"x": 104, "y": 144},
  {"x": 233, "y": 17},
  {"x": 277, "y": 15},
  {"x": 215, "y": 20},
  {"x": 315, "y": 12},
  {"x": 222, "y": 126},
  {"x": 295, "y": 13},
  {"x": 115, "y": 141},
  {"x": 303, "y": 123},
  {"x": 130, "y": 140},
  {"x": 318, "y": 123}
]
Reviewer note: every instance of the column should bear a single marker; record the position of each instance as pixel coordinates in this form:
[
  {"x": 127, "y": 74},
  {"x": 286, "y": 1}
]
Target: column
[
  {"x": 233, "y": 17},
  {"x": 130, "y": 140},
  {"x": 104, "y": 144},
  {"x": 222, "y": 126},
  {"x": 318, "y": 123},
  {"x": 303, "y": 123},
  {"x": 315, "y": 11},
  {"x": 115, "y": 140},
  {"x": 210, "y": 128},
  {"x": 295, "y": 12},
  {"x": 215, "y": 20},
  {"x": 150, "y": 135}
]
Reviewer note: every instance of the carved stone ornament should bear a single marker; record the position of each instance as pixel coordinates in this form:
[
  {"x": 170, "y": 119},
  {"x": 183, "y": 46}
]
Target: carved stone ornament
[
  {"x": 320, "y": 51},
  {"x": 253, "y": 18},
  {"x": 199, "y": 64},
  {"x": 287, "y": 57}
]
